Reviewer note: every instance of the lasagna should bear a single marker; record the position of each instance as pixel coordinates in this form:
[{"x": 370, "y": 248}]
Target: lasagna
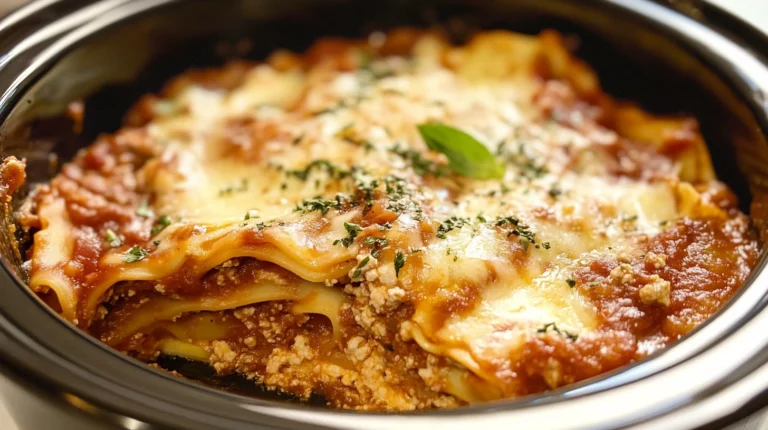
[{"x": 395, "y": 223}]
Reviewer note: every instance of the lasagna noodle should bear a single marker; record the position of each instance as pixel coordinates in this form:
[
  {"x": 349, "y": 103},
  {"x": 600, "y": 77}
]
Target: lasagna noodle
[
  {"x": 306, "y": 298},
  {"x": 314, "y": 164},
  {"x": 54, "y": 249}
]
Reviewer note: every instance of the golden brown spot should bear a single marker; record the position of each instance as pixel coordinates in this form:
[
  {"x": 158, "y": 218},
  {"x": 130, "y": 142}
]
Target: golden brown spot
[
  {"x": 248, "y": 139},
  {"x": 335, "y": 53}
]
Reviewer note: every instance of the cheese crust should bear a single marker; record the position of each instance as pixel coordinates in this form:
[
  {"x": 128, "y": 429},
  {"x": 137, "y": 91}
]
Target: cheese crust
[{"x": 287, "y": 221}]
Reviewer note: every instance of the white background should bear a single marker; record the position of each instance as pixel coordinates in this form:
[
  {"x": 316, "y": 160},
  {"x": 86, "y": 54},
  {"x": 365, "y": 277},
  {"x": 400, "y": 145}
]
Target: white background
[{"x": 754, "y": 11}]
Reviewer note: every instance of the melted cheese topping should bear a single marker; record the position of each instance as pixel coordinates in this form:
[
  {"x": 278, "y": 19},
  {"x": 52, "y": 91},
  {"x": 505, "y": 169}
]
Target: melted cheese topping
[{"x": 287, "y": 165}]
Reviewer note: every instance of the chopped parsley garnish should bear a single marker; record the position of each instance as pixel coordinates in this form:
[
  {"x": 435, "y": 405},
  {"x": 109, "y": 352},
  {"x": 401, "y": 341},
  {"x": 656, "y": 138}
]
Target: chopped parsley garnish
[
  {"x": 528, "y": 166},
  {"x": 112, "y": 238},
  {"x": 330, "y": 109},
  {"x": 318, "y": 204},
  {"x": 376, "y": 70},
  {"x": 502, "y": 147},
  {"x": 144, "y": 210},
  {"x": 466, "y": 155},
  {"x": 395, "y": 187},
  {"x": 332, "y": 170},
  {"x": 510, "y": 220},
  {"x": 378, "y": 73},
  {"x": 359, "y": 269},
  {"x": 367, "y": 193},
  {"x": 452, "y": 223},
  {"x": 553, "y": 327},
  {"x": 517, "y": 228},
  {"x": 571, "y": 282},
  {"x": 399, "y": 200},
  {"x": 162, "y": 222},
  {"x": 348, "y": 135},
  {"x": 243, "y": 186},
  {"x": 419, "y": 164},
  {"x": 365, "y": 143},
  {"x": 352, "y": 231},
  {"x": 135, "y": 254},
  {"x": 251, "y": 214},
  {"x": 555, "y": 191},
  {"x": 365, "y": 60},
  {"x": 399, "y": 262},
  {"x": 409, "y": 206},
  {"x": 376, "y": 244}
]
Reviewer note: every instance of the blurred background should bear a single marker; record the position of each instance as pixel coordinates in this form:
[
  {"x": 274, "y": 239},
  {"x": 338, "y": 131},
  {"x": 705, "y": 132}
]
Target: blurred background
[{"x": 753, "y": 11}]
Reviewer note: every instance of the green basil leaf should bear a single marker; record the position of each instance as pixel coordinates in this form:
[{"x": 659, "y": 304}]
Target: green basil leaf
[{"x": 466, "y": 155}]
